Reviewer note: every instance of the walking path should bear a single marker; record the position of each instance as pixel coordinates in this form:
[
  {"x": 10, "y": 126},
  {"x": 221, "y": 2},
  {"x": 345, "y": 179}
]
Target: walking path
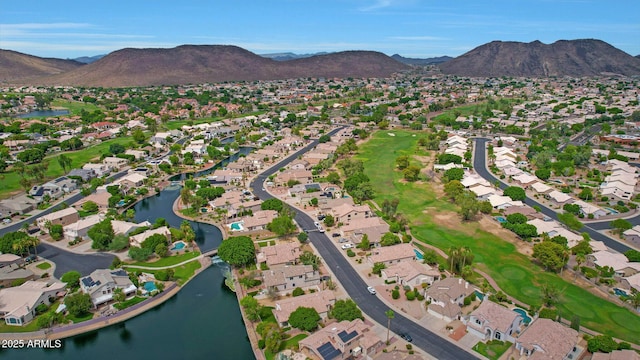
[{"x": 163, "y": 267}]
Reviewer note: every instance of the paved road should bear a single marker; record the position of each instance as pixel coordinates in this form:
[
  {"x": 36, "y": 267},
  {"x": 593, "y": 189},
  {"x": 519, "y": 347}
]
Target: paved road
[
  {"x": 67, "y": 261},
  {"x": 479, "y": 165},
  {"x": 353, "y": 284}
]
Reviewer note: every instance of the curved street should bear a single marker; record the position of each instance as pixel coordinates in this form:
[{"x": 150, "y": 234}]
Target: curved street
[
  {"x": 480, "y": 167},
  {"x": 353, "y": 284}
]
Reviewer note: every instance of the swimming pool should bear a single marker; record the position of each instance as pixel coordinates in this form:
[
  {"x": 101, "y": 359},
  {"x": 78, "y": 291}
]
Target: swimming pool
[
  {"x": 419, "y": 255},
  {"x": 236, "y": 225},
  {"x": 178, "y": 246},
  {"x": 501, "y": 219},
  {"x": 479, "y": 295},
  {"x": 620, "y": 292},
  {"x": 120, "y": 203},
  {"x": 150, "y": 286},
  {"x": 525, "y": 318},
  {"x": 613, "y": 211}
]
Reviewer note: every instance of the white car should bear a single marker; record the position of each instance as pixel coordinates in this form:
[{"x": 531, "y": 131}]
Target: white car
[
  {"x": 371, "y": 290},
  {"x": 347, "y": 246}
]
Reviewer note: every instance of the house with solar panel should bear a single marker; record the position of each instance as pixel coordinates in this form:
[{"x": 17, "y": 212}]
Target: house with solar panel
[
  {"x": 342, "y": 340},
  {"x": 101, "y": 283}
]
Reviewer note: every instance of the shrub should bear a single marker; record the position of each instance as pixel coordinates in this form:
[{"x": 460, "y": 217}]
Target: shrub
[
  {"x": 297, "y": 292},
  {"x": 395, "y": 294},
  {"x": 261, "y": 344},
  {"x": 350, "y": 253},
  {"x": 547, "y": 313},
  {"x": 411, "y": 295}
]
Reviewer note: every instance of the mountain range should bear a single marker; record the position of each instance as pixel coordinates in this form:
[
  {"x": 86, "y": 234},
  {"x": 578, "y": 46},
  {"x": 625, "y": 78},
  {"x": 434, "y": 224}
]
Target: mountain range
[
  {"x": 583, "y": 57},
  {"x": 195, "y": 64}
]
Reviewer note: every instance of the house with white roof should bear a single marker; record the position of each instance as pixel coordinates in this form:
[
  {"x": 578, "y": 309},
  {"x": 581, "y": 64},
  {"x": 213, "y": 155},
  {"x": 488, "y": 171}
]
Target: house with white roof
[
  {"x": 410, "y": 273},
  {"x": 321, "y": 301},
  {"x": 392, "y": 254},
  {"x": 101, "y": 283},
  {"x": 491, "y": 321},
  {"x": 633, "y": 235},
  {"x": 618, "y": 262},
  {"x": 541, "y": 188},
  {"x": 525, "y": 179},
  {"x": 18, "y": 304},
  {"x": 559, "y": 198},
  {"x": 617, "y": 190},
  {"x": 502, "y": 202},
  {"x": 589, "y": 209},
  {"x": 138, "y": 239},
  {"x": 80, "y": 228},
  {"x": 446, "y": 298},
  {"x": 471, "y": 180},
  {"x": 483, "y": 192}
]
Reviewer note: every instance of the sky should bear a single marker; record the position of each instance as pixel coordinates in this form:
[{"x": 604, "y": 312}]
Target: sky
[{"x": 411, "y": 28}]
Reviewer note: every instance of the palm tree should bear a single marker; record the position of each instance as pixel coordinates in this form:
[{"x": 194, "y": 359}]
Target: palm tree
[
  {"x": 635, "y": 300},
  {"x": 390, "y": 315},
  {"x": 65, "y": 162},
  {"x": 580, "y": 259},
  {"x": 453, "y": 253}
]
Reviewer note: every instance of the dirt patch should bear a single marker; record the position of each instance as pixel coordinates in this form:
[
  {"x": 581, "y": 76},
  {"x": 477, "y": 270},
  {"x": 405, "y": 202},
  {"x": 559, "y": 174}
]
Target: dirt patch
[
  {"x": 448, "y": 219},
  {"x": 424, "y": 160},
  {"x": 491, "y": 226}
]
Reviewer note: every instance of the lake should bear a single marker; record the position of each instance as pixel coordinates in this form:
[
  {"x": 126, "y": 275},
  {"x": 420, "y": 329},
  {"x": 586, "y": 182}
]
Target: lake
[{"x": 41, "y": 113}]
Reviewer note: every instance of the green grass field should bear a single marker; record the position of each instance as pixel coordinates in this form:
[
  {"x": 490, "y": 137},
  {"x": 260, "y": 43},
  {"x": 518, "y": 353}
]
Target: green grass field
[
  {"x": 168, "y": 261},
  {"x": 11, "y": 180},
  {"x": 513, "y": 271},
  {"x": 74, "y": 107}
]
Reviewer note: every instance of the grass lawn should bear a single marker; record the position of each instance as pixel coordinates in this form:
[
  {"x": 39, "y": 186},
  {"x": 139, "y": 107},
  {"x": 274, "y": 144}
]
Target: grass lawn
[
  {"x": 11, "y": 180},
  {"x": 169, "y": 260},
  {"x": 76, "y": 320},
  {"x": 74, "y": 107},
  {"x": 130, "y": 302},
  {"x": 186, "y": 271},
  {"x": 493, "y": 349},
  {"x": 44, "y": 265},
  {"x": 291, "y": 343},
  {"x": 513, "y": 271},
  {"x": 31, "y": 326},
  {"x": 266, "y": 314}
]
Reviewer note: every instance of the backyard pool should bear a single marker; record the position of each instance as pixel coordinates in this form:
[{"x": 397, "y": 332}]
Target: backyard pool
[
  {"x": 150, "y": 286},
  {"x": 419, "y": 255},
  {"x": 120, "y": 203},
  {"x": 525, "y": 318},
  {"x": 178, "y": 246},
  {"x": 479, "y": 295},
  {"x": 237, "y": 226},
  {"x": 501, "y": 219},
  {"x": 613, "y": 211},
  {"x": 620, "y": 292}
]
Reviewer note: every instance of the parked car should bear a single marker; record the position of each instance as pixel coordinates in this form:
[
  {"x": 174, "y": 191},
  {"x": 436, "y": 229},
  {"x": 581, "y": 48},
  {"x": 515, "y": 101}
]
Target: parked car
[
  {"x": 371, "y": 290},
  {"x": 343, "y": 240},
  {"x": 6, "y": 221},
  {"x": 406, "y": 337},
  {"x": 346, "y": 246},
  {"x": 30, "y": 258},
  {"x": 335, "y": 235}
]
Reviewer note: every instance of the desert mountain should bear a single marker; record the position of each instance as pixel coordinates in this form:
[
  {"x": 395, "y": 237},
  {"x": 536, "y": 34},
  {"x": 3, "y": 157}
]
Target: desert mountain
[
  {"x": 196, "y": 64},
  {"x": 585, "y": 57},
  {"x": 421, "y": 62},
  {"x": 15, "y": 65},
  {"x": 89, "y": 59}
]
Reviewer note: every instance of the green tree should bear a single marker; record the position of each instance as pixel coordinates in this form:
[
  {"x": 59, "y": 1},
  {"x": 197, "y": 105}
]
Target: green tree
[
  {"x": 412, "y": 173},
  {"x": 346, "y": 310},
  {"x": 329, "y": 220},
  {"x": 273, "y": 338},
  {"x": 515, "y": 193},
  {"x": 56, "y": 231},
  {"x": 570, "y": 220},
  {"x": 602, "y": 343},
  {"x": 72, "y": 279},
  {"x": 620, "y": 225},
  {"x": 389, "y": 239},
  {"x": 632, "y": 255},
  {"x": 586, "y": 194},
  {"x": 297, "y": 292},
  {"x": 309, "y": 258},
  {"x": 334, "y": 178},
  {"x": 237, "y": 250},
  {"x": 118, "y": 295},
  {"x": 303, "y": 237},
  {"x": 453, "y": 174},
  {"x": 78, "y": 304},
  {"x": 453, "y": 188},
  {"x": 65, "y": 162},
  {"x": 251, "y": 308},
  {"x": 116, "y": 149},
  {"x": 139, "y": 136},
  {"x": 140, "y": 254},
  {"x": 90, "y": 207},
  {"x": 550, "y": 294},
  {"x": 390, "y": 315},
  {"x": 102, "y": 234},
  {"x": 304, "y": 318},
  {"x": 272, "y": 204},
  {"x": 468, "y": 204},
  {"x": 282, "y": 225},
  {"x": 364, "y": 244},
  {"x": 543, "y": 174},
  {"x": 402, "y": 162},
  {"x": 551, "y": 255}
]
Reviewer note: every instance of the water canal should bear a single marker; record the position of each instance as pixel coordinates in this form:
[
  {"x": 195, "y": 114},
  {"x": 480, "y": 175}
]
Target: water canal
[{"x": 202, "y": 321}]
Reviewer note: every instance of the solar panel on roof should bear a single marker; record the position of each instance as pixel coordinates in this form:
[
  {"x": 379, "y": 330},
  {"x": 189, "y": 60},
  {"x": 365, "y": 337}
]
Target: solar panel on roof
[
  {"x": 88, "y": 281},
  {"x": 328, "y": 352},
  {"x": 345, "y": 337}
]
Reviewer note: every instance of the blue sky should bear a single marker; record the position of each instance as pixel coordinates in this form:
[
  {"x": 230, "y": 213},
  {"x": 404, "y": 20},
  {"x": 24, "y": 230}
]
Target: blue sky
[{"x": 411, "y": 28}]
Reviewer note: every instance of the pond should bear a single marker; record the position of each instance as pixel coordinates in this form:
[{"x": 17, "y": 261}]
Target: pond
[{"x": 45, "y": 113}]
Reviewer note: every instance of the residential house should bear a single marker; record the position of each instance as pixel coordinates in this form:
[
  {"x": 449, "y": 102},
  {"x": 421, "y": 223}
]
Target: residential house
[
  {"x": 589, "y": 210},
  {"x": 343, "y": 340},
  {"x": 525, "y": 210},
  {"x": 392, "y": 254},
  {"x": 137, "y": 240},
  {"x": 446, "y": 297},
  {"x": 62, "y": 217},
  {"x": 471, "y": 180},
  {"x": 483, "y": 192},
  {"x": 410, "y": 273},
  {"x": 131, "y": 181},
  {"x": 491, "y": 321},
  {"x": 125, "y": 227},
  {"x": 321, "y": 301},
  {"x": 300, "y": 176},
  {"x": 617, "y": 261},
  {"x": 258, "y": 221},
  {"x": 547, "y": 339},
  {"x": 80, "y": 228},
  {"x": 115, "y": 163},
  {"x": 279, "y": 254},
  {"x": 99, "y": 169},
  {"x": 101, "y": 283},
  {"x": 99, "y": 198},
  {"x": 525, "y": 180},
  {"x": 633, "y": 235},
  {"x": 346, "y": 212},
  {"x": 9, "y": 259},
  {"x": 373, "y": 227},
  {"x": 11, "y": 273},
  {"x": 501, "y": 202},
  {"x": 84, "y": 174},
  {"x": 18, "y": 304},
  {"x": 541, "y": 188},
  {"x": 559, "y": 198},
  {"x": 14, "y": 206},
  {"x": 55, "y": 188},
  {"x": 288, "y": 277},
  {"x": 617, "y": 191},
  {"x": 616, "y": 355},
  {"x": 138, "y": 154}
]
